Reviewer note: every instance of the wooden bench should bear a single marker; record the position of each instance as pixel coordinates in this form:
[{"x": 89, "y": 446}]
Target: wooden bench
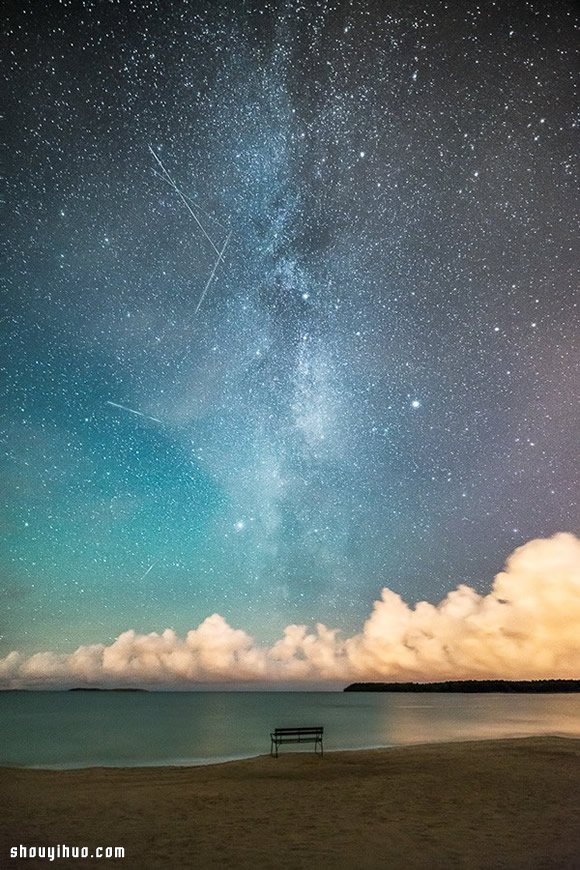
[{"x": 312, "y": 734}]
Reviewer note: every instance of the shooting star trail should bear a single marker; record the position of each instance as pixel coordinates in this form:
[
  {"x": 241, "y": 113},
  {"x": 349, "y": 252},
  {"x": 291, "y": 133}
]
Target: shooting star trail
[
  {"x": 215, "y": 265},
  {"x": 147, "y": 571},
  {"x": 183, "y": 199},
  {"x": 132, "y": 411},
  {"x": 206, "y": 288},
  {"x": 191, "y": 200}
]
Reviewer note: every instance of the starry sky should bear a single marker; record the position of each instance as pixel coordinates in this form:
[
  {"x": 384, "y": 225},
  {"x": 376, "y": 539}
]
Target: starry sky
[{"x": 288, "y": 307}]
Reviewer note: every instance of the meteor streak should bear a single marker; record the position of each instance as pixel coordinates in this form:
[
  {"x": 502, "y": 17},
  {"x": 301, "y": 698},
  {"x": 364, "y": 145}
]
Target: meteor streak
[
  {"x": 215, "y": 265},
  {"x": 132, "y": 411},
  {"x": 183, "y": 199},
  {"x": 191, "y": 200},
  {"x": 152, "y": 565}
]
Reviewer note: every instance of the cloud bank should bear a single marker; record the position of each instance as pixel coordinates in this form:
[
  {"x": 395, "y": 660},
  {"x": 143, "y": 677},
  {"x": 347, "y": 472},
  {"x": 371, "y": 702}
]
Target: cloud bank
[{"x": 526, "y": 627}]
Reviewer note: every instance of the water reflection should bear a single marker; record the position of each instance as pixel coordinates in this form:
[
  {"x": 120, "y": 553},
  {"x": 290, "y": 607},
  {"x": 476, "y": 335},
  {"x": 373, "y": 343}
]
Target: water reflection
[
  {"x": 110, "y": 728},
  {"x": 429, "y": 718}
]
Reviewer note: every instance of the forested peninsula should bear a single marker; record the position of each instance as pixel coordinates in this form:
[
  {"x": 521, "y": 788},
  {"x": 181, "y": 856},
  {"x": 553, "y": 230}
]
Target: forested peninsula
[{"x": 472, "y": 686}]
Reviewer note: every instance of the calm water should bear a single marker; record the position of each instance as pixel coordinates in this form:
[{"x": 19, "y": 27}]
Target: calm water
[{"x": 77, "y": 729}]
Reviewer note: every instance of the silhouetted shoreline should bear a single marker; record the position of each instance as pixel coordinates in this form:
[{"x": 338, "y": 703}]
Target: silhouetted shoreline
[{"x": 472, "y": 686}]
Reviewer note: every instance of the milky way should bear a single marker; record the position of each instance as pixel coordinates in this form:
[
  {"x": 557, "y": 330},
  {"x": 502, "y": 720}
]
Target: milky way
[{"x": 378, "y": 385}]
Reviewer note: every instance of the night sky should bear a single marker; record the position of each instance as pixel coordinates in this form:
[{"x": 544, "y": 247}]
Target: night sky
[{"x": 379, "y": 384}]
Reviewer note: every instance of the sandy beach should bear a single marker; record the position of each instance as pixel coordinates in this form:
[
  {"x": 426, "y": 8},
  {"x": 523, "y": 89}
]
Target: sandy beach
[{"x": 503, "y": 803}]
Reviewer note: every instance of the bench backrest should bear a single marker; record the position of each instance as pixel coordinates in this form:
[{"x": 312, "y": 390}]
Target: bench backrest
[{"x": 316, "y": 729}]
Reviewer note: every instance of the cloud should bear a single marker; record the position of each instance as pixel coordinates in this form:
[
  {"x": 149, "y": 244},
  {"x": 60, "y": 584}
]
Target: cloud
[{"x": 527, "y": 626}]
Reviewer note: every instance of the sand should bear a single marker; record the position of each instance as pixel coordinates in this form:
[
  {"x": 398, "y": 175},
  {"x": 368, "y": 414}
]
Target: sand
[{"x": 488, "y": 804}]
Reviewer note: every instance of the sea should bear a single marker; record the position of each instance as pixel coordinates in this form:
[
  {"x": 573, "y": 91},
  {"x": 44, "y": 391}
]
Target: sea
[{"x": 127, "y": 729}]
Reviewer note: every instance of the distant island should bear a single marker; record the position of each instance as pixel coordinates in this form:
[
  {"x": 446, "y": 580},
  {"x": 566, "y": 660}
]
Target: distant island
[
  {"x": 97, "y": 689},
  {"x": 472, "y": 686}
]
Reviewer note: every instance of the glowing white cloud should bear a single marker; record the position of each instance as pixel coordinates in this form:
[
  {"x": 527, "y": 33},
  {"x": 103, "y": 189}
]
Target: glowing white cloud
[{"x": 527, "y": 626}]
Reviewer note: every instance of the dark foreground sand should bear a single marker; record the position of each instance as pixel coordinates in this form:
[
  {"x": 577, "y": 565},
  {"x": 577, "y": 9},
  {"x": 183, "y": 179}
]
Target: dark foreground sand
[{"x": 503, "y": 803}]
